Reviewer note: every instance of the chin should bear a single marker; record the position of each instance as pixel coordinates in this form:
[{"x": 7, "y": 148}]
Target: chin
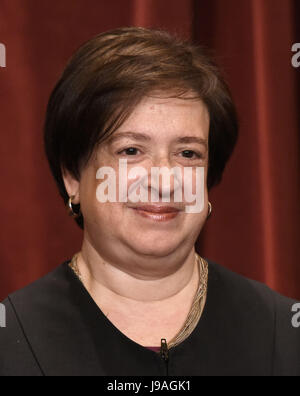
[{"x": 155, "y": 247}]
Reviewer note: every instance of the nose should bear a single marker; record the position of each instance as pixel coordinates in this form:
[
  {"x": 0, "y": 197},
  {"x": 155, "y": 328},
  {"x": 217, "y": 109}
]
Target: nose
[{"x": 164, "y": 180}]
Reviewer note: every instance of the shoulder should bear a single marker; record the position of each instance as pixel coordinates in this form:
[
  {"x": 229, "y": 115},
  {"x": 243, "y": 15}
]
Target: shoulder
[
  {"x": 263, "y": 311},
  {"x": 246, "y": 292},
  {"x": 43, "y": 296},
  {"x": 31, "y": 304},
  {"x": 16, "y": 356},
  {"x": 245, "y": 288},
  {"x": 44, "y": 288}
]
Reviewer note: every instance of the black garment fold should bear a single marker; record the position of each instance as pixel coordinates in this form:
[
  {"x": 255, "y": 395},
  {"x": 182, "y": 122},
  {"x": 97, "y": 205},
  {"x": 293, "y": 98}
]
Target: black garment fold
[{"x": 54, "y": 328}]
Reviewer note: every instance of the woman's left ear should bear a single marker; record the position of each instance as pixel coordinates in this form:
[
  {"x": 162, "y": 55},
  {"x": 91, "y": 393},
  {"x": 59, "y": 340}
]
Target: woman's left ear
[{"x": 71, "y": 185}]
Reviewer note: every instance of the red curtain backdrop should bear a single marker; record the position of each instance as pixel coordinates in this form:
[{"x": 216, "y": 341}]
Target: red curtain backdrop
[{"x": 254, "y": 229}]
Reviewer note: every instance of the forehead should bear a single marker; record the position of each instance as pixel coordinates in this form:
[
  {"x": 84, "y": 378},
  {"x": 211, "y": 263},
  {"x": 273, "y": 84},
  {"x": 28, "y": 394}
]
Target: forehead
[{"x": 166, "y": 118}]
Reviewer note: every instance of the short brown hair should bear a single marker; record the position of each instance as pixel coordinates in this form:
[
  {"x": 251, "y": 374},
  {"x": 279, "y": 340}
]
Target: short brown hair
[{"x": 110, "y": 74}]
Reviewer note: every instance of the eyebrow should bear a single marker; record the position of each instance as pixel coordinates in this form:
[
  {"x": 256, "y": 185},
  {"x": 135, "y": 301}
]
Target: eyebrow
[
  {"x": 133, "y": 135},
  {"x": 146, "y": 138}
]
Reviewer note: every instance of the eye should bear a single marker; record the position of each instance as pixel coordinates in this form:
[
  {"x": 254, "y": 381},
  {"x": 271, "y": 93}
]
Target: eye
[
  {"x": 129, "y": 151},
  {"x": 190, "y": 154}
]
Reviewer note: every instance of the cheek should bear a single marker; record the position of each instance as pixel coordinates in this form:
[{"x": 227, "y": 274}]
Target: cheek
[
  {"x": 193, "y": 224},
  {"x": 199, "y": 180},
  {"x": 104, "y": 219},
  {"x": 108, "y": 213},
  {"x": 195, "y": 193}
]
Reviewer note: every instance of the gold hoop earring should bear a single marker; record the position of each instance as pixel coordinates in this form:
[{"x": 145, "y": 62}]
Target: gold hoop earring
[
  {"x": 209, "y": 210},
  {"x": 70, "y": 207}
]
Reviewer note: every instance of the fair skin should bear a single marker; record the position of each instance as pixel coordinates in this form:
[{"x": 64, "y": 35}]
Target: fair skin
[{"x": 142, "y": 273}]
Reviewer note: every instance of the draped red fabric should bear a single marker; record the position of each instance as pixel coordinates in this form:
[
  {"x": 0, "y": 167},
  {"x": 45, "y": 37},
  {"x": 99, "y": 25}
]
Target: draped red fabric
[{"x": 254, "y": 226}]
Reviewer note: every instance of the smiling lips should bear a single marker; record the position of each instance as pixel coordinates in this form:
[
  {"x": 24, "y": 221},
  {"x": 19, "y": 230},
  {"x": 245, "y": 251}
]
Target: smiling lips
[{"x": 157, "y": 212}]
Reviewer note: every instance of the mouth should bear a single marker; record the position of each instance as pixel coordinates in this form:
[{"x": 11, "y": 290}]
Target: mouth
[{"x": 157, "y": 212}]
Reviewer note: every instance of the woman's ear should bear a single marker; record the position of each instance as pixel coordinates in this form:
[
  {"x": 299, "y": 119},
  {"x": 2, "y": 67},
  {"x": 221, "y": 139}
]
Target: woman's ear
[{"x": 71, "y": 185}]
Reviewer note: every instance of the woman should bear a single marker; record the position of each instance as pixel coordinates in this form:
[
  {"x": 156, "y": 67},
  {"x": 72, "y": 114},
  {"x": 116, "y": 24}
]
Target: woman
[{"x": 138, "y": 299}]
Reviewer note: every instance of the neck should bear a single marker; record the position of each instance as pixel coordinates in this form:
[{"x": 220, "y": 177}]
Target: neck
[{"x": 171, "y": 279}]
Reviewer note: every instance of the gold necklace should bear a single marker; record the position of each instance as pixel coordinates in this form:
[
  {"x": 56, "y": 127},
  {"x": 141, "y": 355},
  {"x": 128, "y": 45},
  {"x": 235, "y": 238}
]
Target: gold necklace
[{"x": 197, "y": 305}]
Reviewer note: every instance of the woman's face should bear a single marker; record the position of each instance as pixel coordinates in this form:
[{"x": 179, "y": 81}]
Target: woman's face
[{"x": 159, "y": 133}]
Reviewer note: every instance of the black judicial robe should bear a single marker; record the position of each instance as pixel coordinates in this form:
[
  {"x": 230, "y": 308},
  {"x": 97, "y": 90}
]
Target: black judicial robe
[{"x": 54, "y": 328}]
